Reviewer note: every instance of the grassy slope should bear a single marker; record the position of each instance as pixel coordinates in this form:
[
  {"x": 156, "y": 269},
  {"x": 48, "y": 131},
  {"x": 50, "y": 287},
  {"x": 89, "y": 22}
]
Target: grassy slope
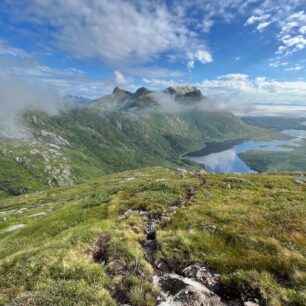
[
  {"x": 259, "y": 241},
  {"x": 107, "y": 142}
]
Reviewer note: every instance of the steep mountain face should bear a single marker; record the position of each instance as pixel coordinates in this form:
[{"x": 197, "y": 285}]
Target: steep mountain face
[
  {"x": 122, "y": 100},
  {"x": 84, "y": 142}
]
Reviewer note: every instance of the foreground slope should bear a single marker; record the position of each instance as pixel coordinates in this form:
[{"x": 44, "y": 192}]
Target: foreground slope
[{"x": 88, "y": 244}]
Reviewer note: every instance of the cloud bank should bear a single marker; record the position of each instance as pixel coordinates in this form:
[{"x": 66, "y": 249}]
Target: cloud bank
[{"x": 17, "y": 96}]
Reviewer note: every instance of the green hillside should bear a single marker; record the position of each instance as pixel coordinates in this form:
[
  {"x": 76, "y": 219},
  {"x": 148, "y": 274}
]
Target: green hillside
[
  {"x": 86, "y": 244},
  {"x": 85, "y": 142}
]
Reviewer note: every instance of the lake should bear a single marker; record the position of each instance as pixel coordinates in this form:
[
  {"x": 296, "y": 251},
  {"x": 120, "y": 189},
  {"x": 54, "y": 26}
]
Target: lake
[{"x": 228, "y": 161}]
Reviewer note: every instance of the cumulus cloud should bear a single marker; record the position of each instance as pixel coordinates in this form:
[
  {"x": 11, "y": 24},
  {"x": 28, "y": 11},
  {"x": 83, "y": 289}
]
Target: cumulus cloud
[
  {"x": 200, "y": 55},
  {"x": 243, "y": 89},
  {"x": 240, "y": 87},
  {"x": 120, "y": 79}
]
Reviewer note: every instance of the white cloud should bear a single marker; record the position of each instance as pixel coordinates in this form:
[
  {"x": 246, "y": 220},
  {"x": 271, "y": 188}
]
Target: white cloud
[
  {"x": 303, "y": 29},
  {"x": 158, "y": 84},
  {"x": 254, "y": 19},
  {"x": 277, "y": 62},
  {"x": 261, "y": 26},
  {"x": 240, "y": 94},
  {"x": 200, "y": 55},
  {"x": 7, "y": 50},
  {"x": 293, "y": 33},
  {"x": 119, "y": 33},
  {"x": 294, "y": 68},
  {"x": 213, "y": 10},
  {"x": 241, "y": 88},
  {"x": 120, "y": 79},
  {"x": 291, "y": 44},
  {"x": 289, "y": 20}
]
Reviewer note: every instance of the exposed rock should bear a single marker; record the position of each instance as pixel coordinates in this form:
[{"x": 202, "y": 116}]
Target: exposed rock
[
  {"x": 182, "y": 172},
  {"x": 162, "y": 266},
  {"x": 250, "y": 304},
  {"x": 15, "y": 227},
  {"x": 194, "y": 297},
  {"x": 38, "y": 214},
  {"x": 201, "y": 274},
  {"x": 183, "y": 291},
  {"x": 142, "y": 91},
  {"x": 172, "y": 284},
  {"x": 135, "y": 212},
  {"x": 300, "y": 181}
]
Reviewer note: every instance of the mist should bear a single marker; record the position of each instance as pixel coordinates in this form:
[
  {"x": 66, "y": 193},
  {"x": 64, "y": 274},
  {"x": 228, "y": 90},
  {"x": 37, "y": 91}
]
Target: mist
[
  {"x": 16, "y": 96},
  {"x": 169, "y": 104}
]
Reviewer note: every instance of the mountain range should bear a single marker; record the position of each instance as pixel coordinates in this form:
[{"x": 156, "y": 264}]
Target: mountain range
[
  {"x": 93, "y": 211},
  {"x": 117, "y": 132}
]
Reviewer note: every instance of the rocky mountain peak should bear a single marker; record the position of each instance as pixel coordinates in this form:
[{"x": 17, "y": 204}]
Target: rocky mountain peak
[
  {"x": 182, "y": 90},
  {"x": 118, "y": 90},
  {"x": 142, "y": 91}
]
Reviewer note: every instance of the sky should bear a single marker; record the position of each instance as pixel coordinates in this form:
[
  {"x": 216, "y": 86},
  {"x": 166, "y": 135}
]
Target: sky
[{"x": 249, "y": 51}]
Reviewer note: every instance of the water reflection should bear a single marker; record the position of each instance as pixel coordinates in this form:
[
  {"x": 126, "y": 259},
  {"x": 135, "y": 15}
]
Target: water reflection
[{"x": 228, "y": 161}]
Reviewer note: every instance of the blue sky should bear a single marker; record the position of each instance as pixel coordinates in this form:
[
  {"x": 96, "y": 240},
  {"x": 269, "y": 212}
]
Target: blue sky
[{"x": 250, "y": 50}]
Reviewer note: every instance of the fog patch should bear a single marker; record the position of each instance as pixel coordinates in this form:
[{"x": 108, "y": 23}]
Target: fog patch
[
  {"x": 169, "y": 103},
  {"x": 17, "y": 96}
]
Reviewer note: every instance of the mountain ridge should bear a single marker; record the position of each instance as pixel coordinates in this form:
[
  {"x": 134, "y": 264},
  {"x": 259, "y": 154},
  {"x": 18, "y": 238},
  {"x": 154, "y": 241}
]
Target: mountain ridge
[
  {"x": 146, "y": 99},
  {"x": 85, "y": 141}
]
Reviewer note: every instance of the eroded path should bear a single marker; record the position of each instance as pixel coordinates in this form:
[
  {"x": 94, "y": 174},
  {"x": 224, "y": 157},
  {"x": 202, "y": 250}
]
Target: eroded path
[
  {"x": 195, "y": 285},
  {"x": 177, "y": 290}
]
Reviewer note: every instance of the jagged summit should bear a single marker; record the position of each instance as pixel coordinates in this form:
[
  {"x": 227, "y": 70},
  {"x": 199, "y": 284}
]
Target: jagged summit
[
  {"x": 181, "y": 90},
  {"x": 139, "y": 92},
  {"x": 118, "y": 90},
  {"x": 143, "y": 98},
  {"x": 142, "y": 91},
  {"x": 185, "y": 94}
]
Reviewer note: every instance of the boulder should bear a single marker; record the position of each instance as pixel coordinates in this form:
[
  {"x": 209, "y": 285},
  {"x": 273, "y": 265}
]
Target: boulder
[
  {"x": 182, "y": 172},
  {"x": 300, "y": 181},
  {"x": 192, "y": 296},
  {"x": 201, "y": 274}
]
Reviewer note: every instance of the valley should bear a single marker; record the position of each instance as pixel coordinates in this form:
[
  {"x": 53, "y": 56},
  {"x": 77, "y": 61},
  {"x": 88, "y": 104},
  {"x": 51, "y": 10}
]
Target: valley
[
  {"x": 93, "y": 212},
  {"x": 84, "y": 142},
  {"x": 153, "y": 153}
]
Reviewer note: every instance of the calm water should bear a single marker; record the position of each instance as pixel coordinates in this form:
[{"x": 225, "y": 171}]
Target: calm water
[{"x": 228, "y": 161}]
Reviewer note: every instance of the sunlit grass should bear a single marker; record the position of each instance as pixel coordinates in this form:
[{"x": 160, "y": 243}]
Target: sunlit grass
[{"x": 252, "y": 232}]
